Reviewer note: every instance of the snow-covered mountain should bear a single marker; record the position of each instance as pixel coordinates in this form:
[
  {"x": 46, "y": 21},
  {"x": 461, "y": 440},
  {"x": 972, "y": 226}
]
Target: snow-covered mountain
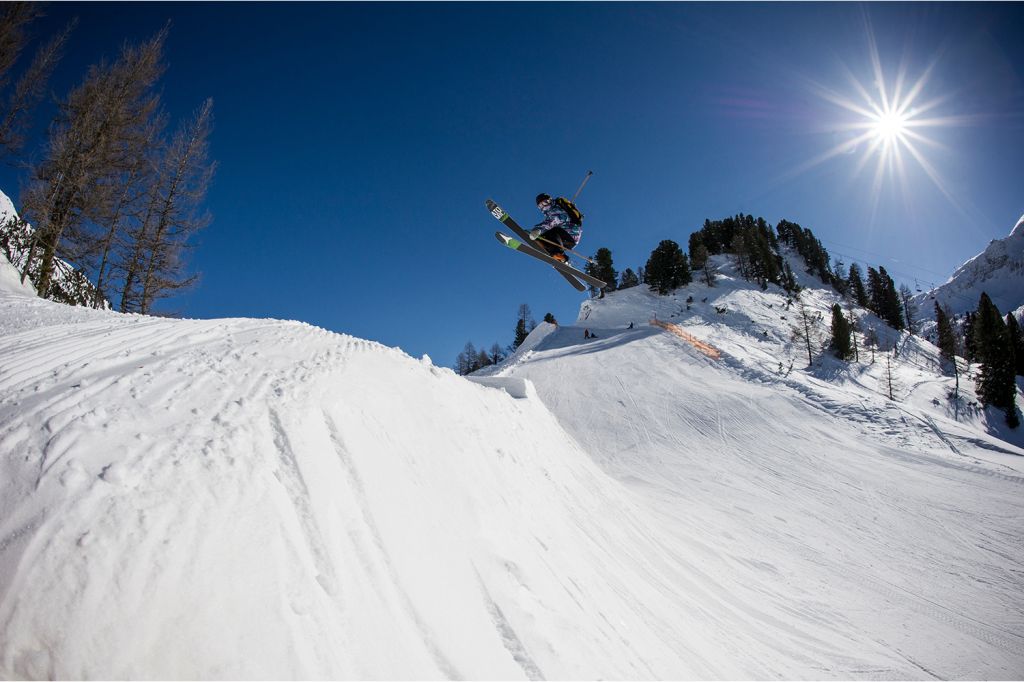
[
  {"x": 7, "y": 209},
  {"x": 676, "y": 497},
  {"x": 998, "y": 271},
  {"x": 67, "y": 284}
]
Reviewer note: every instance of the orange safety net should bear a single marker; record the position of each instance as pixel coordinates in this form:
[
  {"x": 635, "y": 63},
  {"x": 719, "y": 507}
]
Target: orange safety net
[{"x": 705, "y": 348}]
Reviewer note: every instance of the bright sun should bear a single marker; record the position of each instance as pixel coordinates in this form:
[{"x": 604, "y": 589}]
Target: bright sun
[
  {"x": 889, "y": 126},
  {"x": 885, "y": 125}
]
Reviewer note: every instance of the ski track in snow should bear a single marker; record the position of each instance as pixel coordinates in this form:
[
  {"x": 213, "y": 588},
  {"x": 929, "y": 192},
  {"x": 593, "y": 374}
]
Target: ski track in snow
[
  {"x": 511, "y": 639},
  {"x": 379, "y": 549}
]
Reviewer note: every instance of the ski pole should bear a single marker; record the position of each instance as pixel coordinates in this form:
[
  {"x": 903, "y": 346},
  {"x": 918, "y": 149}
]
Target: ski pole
[
  {"x": 589, "y": 173},
  {"x": 579, "y": 255}
]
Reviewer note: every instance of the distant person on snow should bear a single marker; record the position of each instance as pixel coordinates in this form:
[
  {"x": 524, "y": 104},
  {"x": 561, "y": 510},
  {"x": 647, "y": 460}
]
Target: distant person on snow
[{"x": 558, "y": 230}]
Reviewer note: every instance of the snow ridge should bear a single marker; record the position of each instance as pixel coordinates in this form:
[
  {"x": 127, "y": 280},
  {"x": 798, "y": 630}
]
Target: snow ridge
[
  {"x": 263, "y": 498},
  {"x": 260, "y": 498},
  {"x": 997, "y": 271}
]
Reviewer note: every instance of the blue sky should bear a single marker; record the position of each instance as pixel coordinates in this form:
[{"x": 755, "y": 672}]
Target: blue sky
[{"x": 356, "y": 143}]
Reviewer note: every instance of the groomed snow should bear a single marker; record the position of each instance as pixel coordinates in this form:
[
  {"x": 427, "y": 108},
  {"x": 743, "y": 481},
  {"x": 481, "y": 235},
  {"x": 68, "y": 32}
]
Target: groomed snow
[
  {"x": 854, "y": 535},
  {"x": 246, "y": 498}
]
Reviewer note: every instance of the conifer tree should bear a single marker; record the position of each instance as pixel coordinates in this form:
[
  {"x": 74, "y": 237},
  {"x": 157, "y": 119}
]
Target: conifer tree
[
  {"x": 947, "y": 339},
  {"x": 765, "y": 265},
  {"x": 1016, "y": 337},
  {"x": 970, "y": 354},
  {"x": 856, "y": 286},
  {"x": 667, "y": 268},
  {"x": 629, "y": 279},
  {"x": 496, "y": 354},
  {"x": 788, "y": 280},
  {"x": 695, "y": 244},
  {"x": 466, "y": 360},
  {"x": 996, "y": 382},
  {"x": 876, "y": 295},
  {"x": 841, "y": 345},
  {"x": 852, "y": 317},
  {"x": 883, "y": 299},
  {"x": 842, "y": 279},
  {"x": 909, "y": 307},
  {"x": 602, "y": 268},
  {"x": 700, "y": 259},
  {"x": 524, "y": 325},
  {"x": 521, "y": 334},
  {"x": 809, "y": 247},
  {"x": 892, "y": 310},
  {"x": 741, "y": 252}
]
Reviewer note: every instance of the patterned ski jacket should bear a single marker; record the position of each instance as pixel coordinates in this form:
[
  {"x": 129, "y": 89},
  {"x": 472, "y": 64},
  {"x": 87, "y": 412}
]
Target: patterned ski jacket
[{"x": 555, "y": 216}]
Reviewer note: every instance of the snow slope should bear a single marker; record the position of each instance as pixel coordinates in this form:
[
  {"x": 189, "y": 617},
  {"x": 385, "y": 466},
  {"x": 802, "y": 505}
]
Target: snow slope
[
  {"x": 10, "y": 279},
  {"x": 7, "y": 209},
  {"x": 247, "y": 498},
  {"x": 63, "y": 269},
  {"x": 260, "y": 498},
  {"x": 861, "y": 536},
  {"x": 997, "y": 271}
]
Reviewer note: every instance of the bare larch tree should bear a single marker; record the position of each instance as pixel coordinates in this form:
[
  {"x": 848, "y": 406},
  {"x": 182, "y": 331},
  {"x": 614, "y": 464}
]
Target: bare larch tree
[
  {"x": 155, "y": 268},
  {"x": 97, "y": 138},
  {"x": 29, "y": 89}
]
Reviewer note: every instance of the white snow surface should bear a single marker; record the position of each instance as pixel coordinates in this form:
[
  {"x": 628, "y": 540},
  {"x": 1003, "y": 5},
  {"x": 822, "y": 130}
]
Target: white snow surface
[
  {"x": 7, "y": 209},
  {"x": 997, "y": 271},
  {"x": 10, "y": 278},
  {"x": 243, "y": 498}
]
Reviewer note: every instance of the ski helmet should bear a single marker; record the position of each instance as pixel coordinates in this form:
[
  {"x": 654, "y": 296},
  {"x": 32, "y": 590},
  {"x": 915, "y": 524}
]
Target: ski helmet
[{"x": 541, "y": 198}]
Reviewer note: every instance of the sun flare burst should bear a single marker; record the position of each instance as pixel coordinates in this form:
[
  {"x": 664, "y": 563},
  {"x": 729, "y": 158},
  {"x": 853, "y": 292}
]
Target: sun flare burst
[
  {"x": 890, "y": 126},
  {"x": 884, "y": 124}
]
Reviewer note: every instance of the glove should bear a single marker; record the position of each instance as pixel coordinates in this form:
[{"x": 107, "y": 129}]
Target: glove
[{"x": 535, "y": 232}]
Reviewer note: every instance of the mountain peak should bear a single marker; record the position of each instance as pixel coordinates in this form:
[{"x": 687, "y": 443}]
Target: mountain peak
[
  {"x": 1018, "y": 229},
  {"x": 997, "y": 271}
]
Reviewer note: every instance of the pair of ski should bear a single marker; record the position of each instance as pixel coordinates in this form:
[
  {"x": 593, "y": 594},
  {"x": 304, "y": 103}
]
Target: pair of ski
[{"x": 523, "y": 244}]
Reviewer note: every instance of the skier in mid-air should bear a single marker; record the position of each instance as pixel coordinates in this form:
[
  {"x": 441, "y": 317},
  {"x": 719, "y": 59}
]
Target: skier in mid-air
[
  {"x": 562, "y": 221},
  {"x": 558, "y": 231}
]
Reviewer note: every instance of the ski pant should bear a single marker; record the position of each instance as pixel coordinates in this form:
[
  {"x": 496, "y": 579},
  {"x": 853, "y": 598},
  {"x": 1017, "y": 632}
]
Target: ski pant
[{"x": 560, "y": 237}]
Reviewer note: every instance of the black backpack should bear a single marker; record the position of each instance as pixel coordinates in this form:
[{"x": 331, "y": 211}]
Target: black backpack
[{"x": 575, "y": 216}]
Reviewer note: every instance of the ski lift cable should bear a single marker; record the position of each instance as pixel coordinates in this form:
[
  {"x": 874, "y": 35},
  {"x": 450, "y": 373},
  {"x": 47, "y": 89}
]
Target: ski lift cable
[
  {"x": 883, "y": 257},
  {"x": 932, "y": 288}
]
